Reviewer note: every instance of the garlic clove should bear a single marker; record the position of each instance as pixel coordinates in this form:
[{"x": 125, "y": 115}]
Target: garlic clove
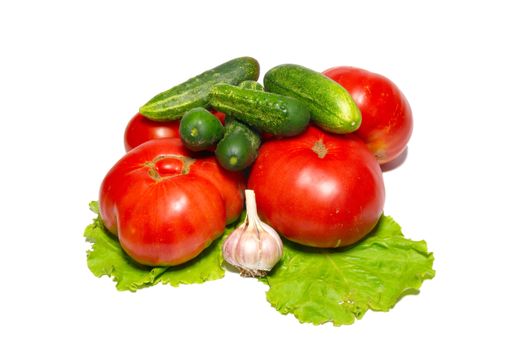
[
  {"x": 248, "y": 252},
  {"x": 254, "y": 247},
  {"x": 230, "y": 244}
]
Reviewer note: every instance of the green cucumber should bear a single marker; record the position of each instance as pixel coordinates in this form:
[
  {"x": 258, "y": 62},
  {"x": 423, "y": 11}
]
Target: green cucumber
[
  {"x": 239, "y": 146},
  {"x": 173, "y": 103},
  {"x": 332, "y": 107},
  {"x": 267, "y": 112},
  {"x": 251, "y": 85},
  {"x": 200, "y": 129}
]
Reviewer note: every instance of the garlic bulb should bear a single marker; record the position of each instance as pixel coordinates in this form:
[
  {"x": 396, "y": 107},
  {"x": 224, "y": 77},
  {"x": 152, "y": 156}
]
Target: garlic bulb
[{"x": 254, "y": 247}]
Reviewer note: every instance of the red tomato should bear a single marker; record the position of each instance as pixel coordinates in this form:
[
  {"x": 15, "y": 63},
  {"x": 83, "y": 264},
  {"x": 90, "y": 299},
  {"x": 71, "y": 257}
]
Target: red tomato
[
  {"x": 166, "y": 207},
  {"x": 386, "y": 115},
  {"x": 140, "y": 129},
  {"x": 318, "y": 189}
]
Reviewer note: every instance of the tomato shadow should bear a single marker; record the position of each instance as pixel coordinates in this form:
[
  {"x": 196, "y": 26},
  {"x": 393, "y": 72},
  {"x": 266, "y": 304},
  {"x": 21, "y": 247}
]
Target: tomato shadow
[{"x": 396, "y": 162}]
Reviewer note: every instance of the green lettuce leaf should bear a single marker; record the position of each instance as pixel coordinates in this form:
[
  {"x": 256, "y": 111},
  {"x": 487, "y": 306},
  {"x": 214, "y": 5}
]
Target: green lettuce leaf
[
  {"x": 315, "y": 285},
  {"x": 107, "y": 258},
  {"x": 340, "y": 285}
]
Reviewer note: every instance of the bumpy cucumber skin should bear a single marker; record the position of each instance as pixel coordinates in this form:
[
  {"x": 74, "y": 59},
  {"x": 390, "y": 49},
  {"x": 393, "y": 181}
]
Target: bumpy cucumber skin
[
  {"x": 267, "y": 112},
  {"x": 332, "y": 107},
  {"x": 173, "y": 103},
  {"x": 239, "y": 142},
  {"x": 233, "y": 126},
  {"x": 208, "y": 129},
  {"x": 251, "y": 85}
]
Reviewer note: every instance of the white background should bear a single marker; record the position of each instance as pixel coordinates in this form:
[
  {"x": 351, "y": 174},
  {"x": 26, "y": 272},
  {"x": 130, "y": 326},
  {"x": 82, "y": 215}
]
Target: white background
[{"x": 73, "y": 73}]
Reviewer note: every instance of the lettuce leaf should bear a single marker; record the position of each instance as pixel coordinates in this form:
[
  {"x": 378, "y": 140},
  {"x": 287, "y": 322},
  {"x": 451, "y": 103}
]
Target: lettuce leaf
[
  {"x": 315, "y": 285},
  {"x": 340, "y": 285},
  {"x": 107, "y": 258}
]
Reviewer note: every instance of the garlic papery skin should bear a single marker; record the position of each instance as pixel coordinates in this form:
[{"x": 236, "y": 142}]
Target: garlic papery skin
[{"x": 253, "y": 247}]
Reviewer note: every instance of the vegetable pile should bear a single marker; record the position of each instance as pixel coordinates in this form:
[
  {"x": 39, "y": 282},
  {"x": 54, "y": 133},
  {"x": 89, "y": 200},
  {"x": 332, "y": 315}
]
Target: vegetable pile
[{"x": 280, "y": 181}]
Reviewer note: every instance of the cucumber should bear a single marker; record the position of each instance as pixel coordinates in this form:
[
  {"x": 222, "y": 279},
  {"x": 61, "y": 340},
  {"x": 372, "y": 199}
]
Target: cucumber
[
  {"x": 238, "y": 149},
  {"x": 251, "y": 85},
  {"x": 173, "y": 103},
  {"x": 200, "y": 129},
  {"x": 331, "y": 106},
  {"x": 267, "y": 112}
]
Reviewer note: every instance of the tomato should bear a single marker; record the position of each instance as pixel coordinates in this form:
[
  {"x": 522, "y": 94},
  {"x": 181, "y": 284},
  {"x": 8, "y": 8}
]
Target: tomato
[
  {"x": 318, "y": 189},
  {"x": 140, "y": 129},
  {"x": 386, "y": 124},
  {"x": 165, "y": 206}
]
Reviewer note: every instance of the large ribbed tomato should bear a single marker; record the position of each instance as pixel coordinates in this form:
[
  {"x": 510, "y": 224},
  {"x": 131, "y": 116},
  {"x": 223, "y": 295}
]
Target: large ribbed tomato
[
  {"x": 164, "y": 205},
  {"x": 386, "y": 117},
  {"x": 318, "y": 189}
]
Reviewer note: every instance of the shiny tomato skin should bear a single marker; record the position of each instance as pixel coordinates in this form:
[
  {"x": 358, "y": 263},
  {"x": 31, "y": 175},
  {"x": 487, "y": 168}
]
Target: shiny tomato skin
[
  {"x": 230, "y": 183},
  {"x": 387, "y": 121},
  {"x": 141, "y": 129},
  {"x": 318, "y": 189},
  {"x": 164, "y": 205}
]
